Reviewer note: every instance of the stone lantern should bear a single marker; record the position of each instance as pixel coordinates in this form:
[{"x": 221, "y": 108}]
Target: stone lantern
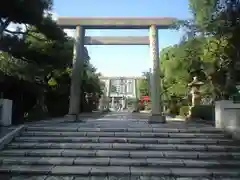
[
  {"x": 195, "y": 92},
  {"x": 87, "y": 97},
  {"x": 101, "y": 103}
]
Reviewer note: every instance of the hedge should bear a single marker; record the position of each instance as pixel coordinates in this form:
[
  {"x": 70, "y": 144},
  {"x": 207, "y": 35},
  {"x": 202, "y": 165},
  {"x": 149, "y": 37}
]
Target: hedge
[
  {"x": 184, "y": 110},
  {"x": 206, "y": 112}
]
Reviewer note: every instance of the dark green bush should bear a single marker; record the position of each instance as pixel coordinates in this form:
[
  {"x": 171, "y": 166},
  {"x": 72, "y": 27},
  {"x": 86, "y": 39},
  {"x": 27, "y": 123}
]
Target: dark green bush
[
  {"x": 206, "y": 112},
  {"x": 174, "y": 109},
  {"x": 184, "y": 111},
  {"x": 148, "y": 106}
]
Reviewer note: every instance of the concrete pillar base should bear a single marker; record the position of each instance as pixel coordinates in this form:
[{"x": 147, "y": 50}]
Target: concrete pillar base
[{"x": 156, "y": 118}]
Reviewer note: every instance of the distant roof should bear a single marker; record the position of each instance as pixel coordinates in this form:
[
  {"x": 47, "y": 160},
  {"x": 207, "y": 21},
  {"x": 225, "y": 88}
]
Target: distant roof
[{"x": 117, "y": 22}]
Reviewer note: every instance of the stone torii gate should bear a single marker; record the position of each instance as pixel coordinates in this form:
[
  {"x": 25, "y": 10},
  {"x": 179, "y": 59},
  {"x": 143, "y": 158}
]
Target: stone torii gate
[{"x": 83, "y": 23}]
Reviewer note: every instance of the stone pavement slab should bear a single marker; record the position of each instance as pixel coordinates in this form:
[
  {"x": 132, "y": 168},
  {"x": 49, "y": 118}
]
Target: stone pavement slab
[
  {"x": 161, "y": 162},
  {"x": 128, "y": 162},
  {"x": 106, "y": 153},
  {"x": 68, "y": 145},
  {"x": 77, "y": 153},
  {"x": 55, "y": 161},
  {"x": 71, "y": 170},
  {"x": 110, "y": 170},
  {"x": 27, "y": 177},
  {"x": 103, "y": 161},
  {"x": 193, "y": 172},
  {"x": 150, "y": 171},
  {"x": 128, "y": 146},
  {"x": 127, "y": 134},
  {"x": 191, "y": 147},
  {"x": 146, "y": 154},
  {"x": 38, "y": 169},
  {"x": 183, "y": 155},
  {"x": 96, "y": 146},
  {"x": 200, "y": 163},
  {"x": 59, "y": 178},
  {"x": 19, "y": 160},
  {"x": 12, "y": 152},
  {"x": 45, "y": 152}
]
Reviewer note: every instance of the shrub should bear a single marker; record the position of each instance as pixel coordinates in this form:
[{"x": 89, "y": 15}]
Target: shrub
[
  {"x": 141, "y": 107},
  {"x": 205, "y": 112},
  {"x": 184, "y": 110},
  {"x": 174, "y": 109},
  {"x": 148, "y": 106}
]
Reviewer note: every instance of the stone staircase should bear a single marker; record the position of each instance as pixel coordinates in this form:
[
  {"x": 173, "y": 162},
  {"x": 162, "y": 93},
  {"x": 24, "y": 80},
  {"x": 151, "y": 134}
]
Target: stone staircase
[{"x": 132, "y": 150}]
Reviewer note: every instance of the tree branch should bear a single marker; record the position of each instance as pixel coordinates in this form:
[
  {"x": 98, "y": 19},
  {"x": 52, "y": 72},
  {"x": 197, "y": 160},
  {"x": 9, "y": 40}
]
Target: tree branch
[
  {"x": 165, "y": 90},
  {"x": 24, "y": 34}
]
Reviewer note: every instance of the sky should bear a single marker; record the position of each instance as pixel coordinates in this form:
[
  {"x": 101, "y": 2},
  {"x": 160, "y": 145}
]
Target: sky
[{"x": 121, "y": 60}]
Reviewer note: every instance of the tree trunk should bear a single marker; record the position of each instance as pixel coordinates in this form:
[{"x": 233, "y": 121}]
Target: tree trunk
[{"x": 3, "y": 26}]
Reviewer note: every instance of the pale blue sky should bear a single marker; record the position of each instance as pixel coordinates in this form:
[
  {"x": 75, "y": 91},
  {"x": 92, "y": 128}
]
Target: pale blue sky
[{"x": 124, "y": 60}]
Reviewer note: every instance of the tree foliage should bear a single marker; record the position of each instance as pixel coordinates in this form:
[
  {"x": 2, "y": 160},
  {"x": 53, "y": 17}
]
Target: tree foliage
[
  {"x": 223, "y": 25},
  {"x": 202, "y": 12},
  {"x": 144, "y": 84},
  {"x": 210, "y": 50},
  {"x": 36, "y": 61}
]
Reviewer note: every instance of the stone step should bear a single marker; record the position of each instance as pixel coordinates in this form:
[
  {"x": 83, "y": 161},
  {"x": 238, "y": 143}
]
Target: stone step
[
  {"x": 121, "y": 125},
  {"x": 120, "y": 154},
  {"x": 117, "y": 129},
  {"x": 123, "y": 146},
  {"x": 126, "y": 134},
  {"x": 105, "y": 161},
  {"x": 121, "y": 171},
  {"x": 115, "y": 177},
  {"x": 65, "y": 139}
]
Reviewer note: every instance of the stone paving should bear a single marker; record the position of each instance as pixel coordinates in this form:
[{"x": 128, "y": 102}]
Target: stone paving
[{"x": 120, "y": 146}]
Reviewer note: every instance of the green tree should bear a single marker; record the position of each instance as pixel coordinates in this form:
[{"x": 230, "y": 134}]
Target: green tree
[
  {"x": 184, "y": 60},
  {"x": 144, "y": 84},
  {"x": 202, "y": 12},
  {"x": 29, "y": 12},
  {"x": 35, "y": 63},
  {"x": 219, "y": 19}
]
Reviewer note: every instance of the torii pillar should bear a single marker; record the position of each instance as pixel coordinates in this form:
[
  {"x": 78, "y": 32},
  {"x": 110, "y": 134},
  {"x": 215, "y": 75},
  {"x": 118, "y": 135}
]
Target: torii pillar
[
  {"x": 156, "y": 116},
  {"x": 76, "y": 79}
]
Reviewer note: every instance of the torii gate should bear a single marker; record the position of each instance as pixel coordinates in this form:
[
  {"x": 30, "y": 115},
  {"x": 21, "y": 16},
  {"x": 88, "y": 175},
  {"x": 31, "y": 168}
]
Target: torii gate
[{"x": 83, "y": 23}]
